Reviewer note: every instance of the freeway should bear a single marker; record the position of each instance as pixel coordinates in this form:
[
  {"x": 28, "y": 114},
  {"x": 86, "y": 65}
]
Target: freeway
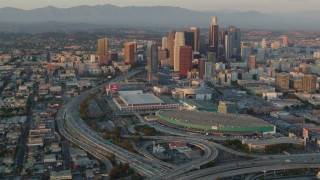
[
  {"x": 241, "y": 167},
  {"x": 259, "y": 169},
  {"x": 98, "y": 154},
  {"x": 75, "y": 130},
  {"x": 176, "y": 132},
  {"x": 78, "y": 132},
  {"x": 258, "y": 159},
  {"x": 210, "y": 154}
]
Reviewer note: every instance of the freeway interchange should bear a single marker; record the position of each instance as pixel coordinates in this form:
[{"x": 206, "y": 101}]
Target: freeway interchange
[{"x": 74, "y": 129}]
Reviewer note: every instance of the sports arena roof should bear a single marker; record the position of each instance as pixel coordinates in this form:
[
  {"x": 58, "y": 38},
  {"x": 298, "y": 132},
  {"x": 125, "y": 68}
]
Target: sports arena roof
[{"x": 141, "y": 99}]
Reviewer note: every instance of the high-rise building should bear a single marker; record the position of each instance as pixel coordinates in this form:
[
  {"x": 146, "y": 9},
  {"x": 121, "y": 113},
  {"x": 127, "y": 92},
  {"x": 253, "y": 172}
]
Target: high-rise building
[
  {"x": 103, "y": 51},
  {"x": 283, "y": 80},
  {"x": 114, "y": 56},
  {"x": 229, "y": 46},
  {"x": 185, "y": 58},
  {"x": 245, "y": 53},
  {"x": 164, "y": 43},
  {"x": 264, "y": 43},
  {"x": 129, "y": 53},
  {"x": 284, "y": 40},
  {"x": 235, "y": 33},
  {"x": 209, "y": 70},
  {"x": 309, "y": 83},
  {"x": 261, "y": 55},
  {"x": 171, "y": 40},
  {"x": 201, "y": 67},
  {"x": 222, "y": 41},
  {"x": 189, "y": 39},
  {"x": 179, "y": 41},
  {"x": 252, "y": 62},
  {"x": 162, "y": 54},
  {"x": 212, "y": 57},
  {"x": 196, "y": 32},
  {"x": 214, "y": 35},
  {"x": 203, "y": 44},
  {"x": 152, "y": 62}
]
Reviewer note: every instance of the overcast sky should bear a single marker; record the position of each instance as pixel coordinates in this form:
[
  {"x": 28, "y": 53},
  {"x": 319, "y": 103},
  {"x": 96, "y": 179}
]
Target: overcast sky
[{"x": 279, "y": 6}]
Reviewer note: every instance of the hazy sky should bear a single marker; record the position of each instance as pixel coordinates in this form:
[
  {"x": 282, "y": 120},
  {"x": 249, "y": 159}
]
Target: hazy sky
[{"x": 258, "y": 5}]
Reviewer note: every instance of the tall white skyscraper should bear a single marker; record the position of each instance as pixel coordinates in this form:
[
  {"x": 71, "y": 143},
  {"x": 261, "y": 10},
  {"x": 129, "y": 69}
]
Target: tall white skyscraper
[
  {"x": 164, "y": 43},
  {"x": 196, "y": 32},
  {"x": 179, "y": 41}
]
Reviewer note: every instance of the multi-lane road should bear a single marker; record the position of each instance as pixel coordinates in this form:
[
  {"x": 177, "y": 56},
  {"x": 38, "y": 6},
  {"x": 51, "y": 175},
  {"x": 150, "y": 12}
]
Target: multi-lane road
[
  {"x": 258, "y": 164},
  {"x": 72, "y": 127}
]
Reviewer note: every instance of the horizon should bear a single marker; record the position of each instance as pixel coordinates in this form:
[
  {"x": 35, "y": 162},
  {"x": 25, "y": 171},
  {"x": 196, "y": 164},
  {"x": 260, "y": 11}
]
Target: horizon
[{"x": 280, "y": 7}]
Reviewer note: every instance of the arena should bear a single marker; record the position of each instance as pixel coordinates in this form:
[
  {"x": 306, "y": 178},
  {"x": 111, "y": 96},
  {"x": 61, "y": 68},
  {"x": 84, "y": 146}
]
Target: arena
[
  {"x": 139, "y": 101},
  {"x": 212, "y": 122}
]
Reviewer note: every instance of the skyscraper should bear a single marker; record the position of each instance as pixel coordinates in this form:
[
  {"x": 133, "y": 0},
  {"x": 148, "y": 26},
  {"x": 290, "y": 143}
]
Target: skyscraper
[
  {"x": 284, "y": 40},
  {"x": 261, "y": 55},
  {"x": 203, "y": 44},
  {"x": 222, "y": 40},
  {"x": 171, "y": 40},
  {"x": 201, "y": 67},
  {"x": 208, "y": 72},
  {"x": 129, "y": 53},
  {"x": 185, "y": 58},
  {"x": 245, "y": 53},
  {"x": 229, "y": 46},
  {"x": 162, "y": 54},
  {"x": 196, "y": 32},
  {"x": 103, "y": 51},
  {"x": 179, "y": 41},
  {"x": 263, "y": 43},
  {"x": 212, "y": 57},
  {"x": 152, "y": 62},
  {"x": 252, "y": 62},
  {"x": 236, "y": 35},
  {"x": 164, "y": 43},
  {"x": 214, "y": 35},
  {"x": 189, "y": 39}
]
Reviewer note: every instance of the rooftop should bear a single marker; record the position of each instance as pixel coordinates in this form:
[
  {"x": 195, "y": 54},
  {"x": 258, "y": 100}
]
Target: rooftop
[
  {"x": 214, "y": 119},
  {"x": 141, "y": 99}
]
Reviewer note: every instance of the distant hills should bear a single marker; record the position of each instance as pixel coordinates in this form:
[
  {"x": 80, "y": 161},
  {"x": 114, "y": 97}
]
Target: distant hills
[{"x": 88, "y": 17}]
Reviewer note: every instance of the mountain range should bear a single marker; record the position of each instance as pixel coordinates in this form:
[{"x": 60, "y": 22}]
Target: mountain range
[{"x": 88, "y": 17}]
